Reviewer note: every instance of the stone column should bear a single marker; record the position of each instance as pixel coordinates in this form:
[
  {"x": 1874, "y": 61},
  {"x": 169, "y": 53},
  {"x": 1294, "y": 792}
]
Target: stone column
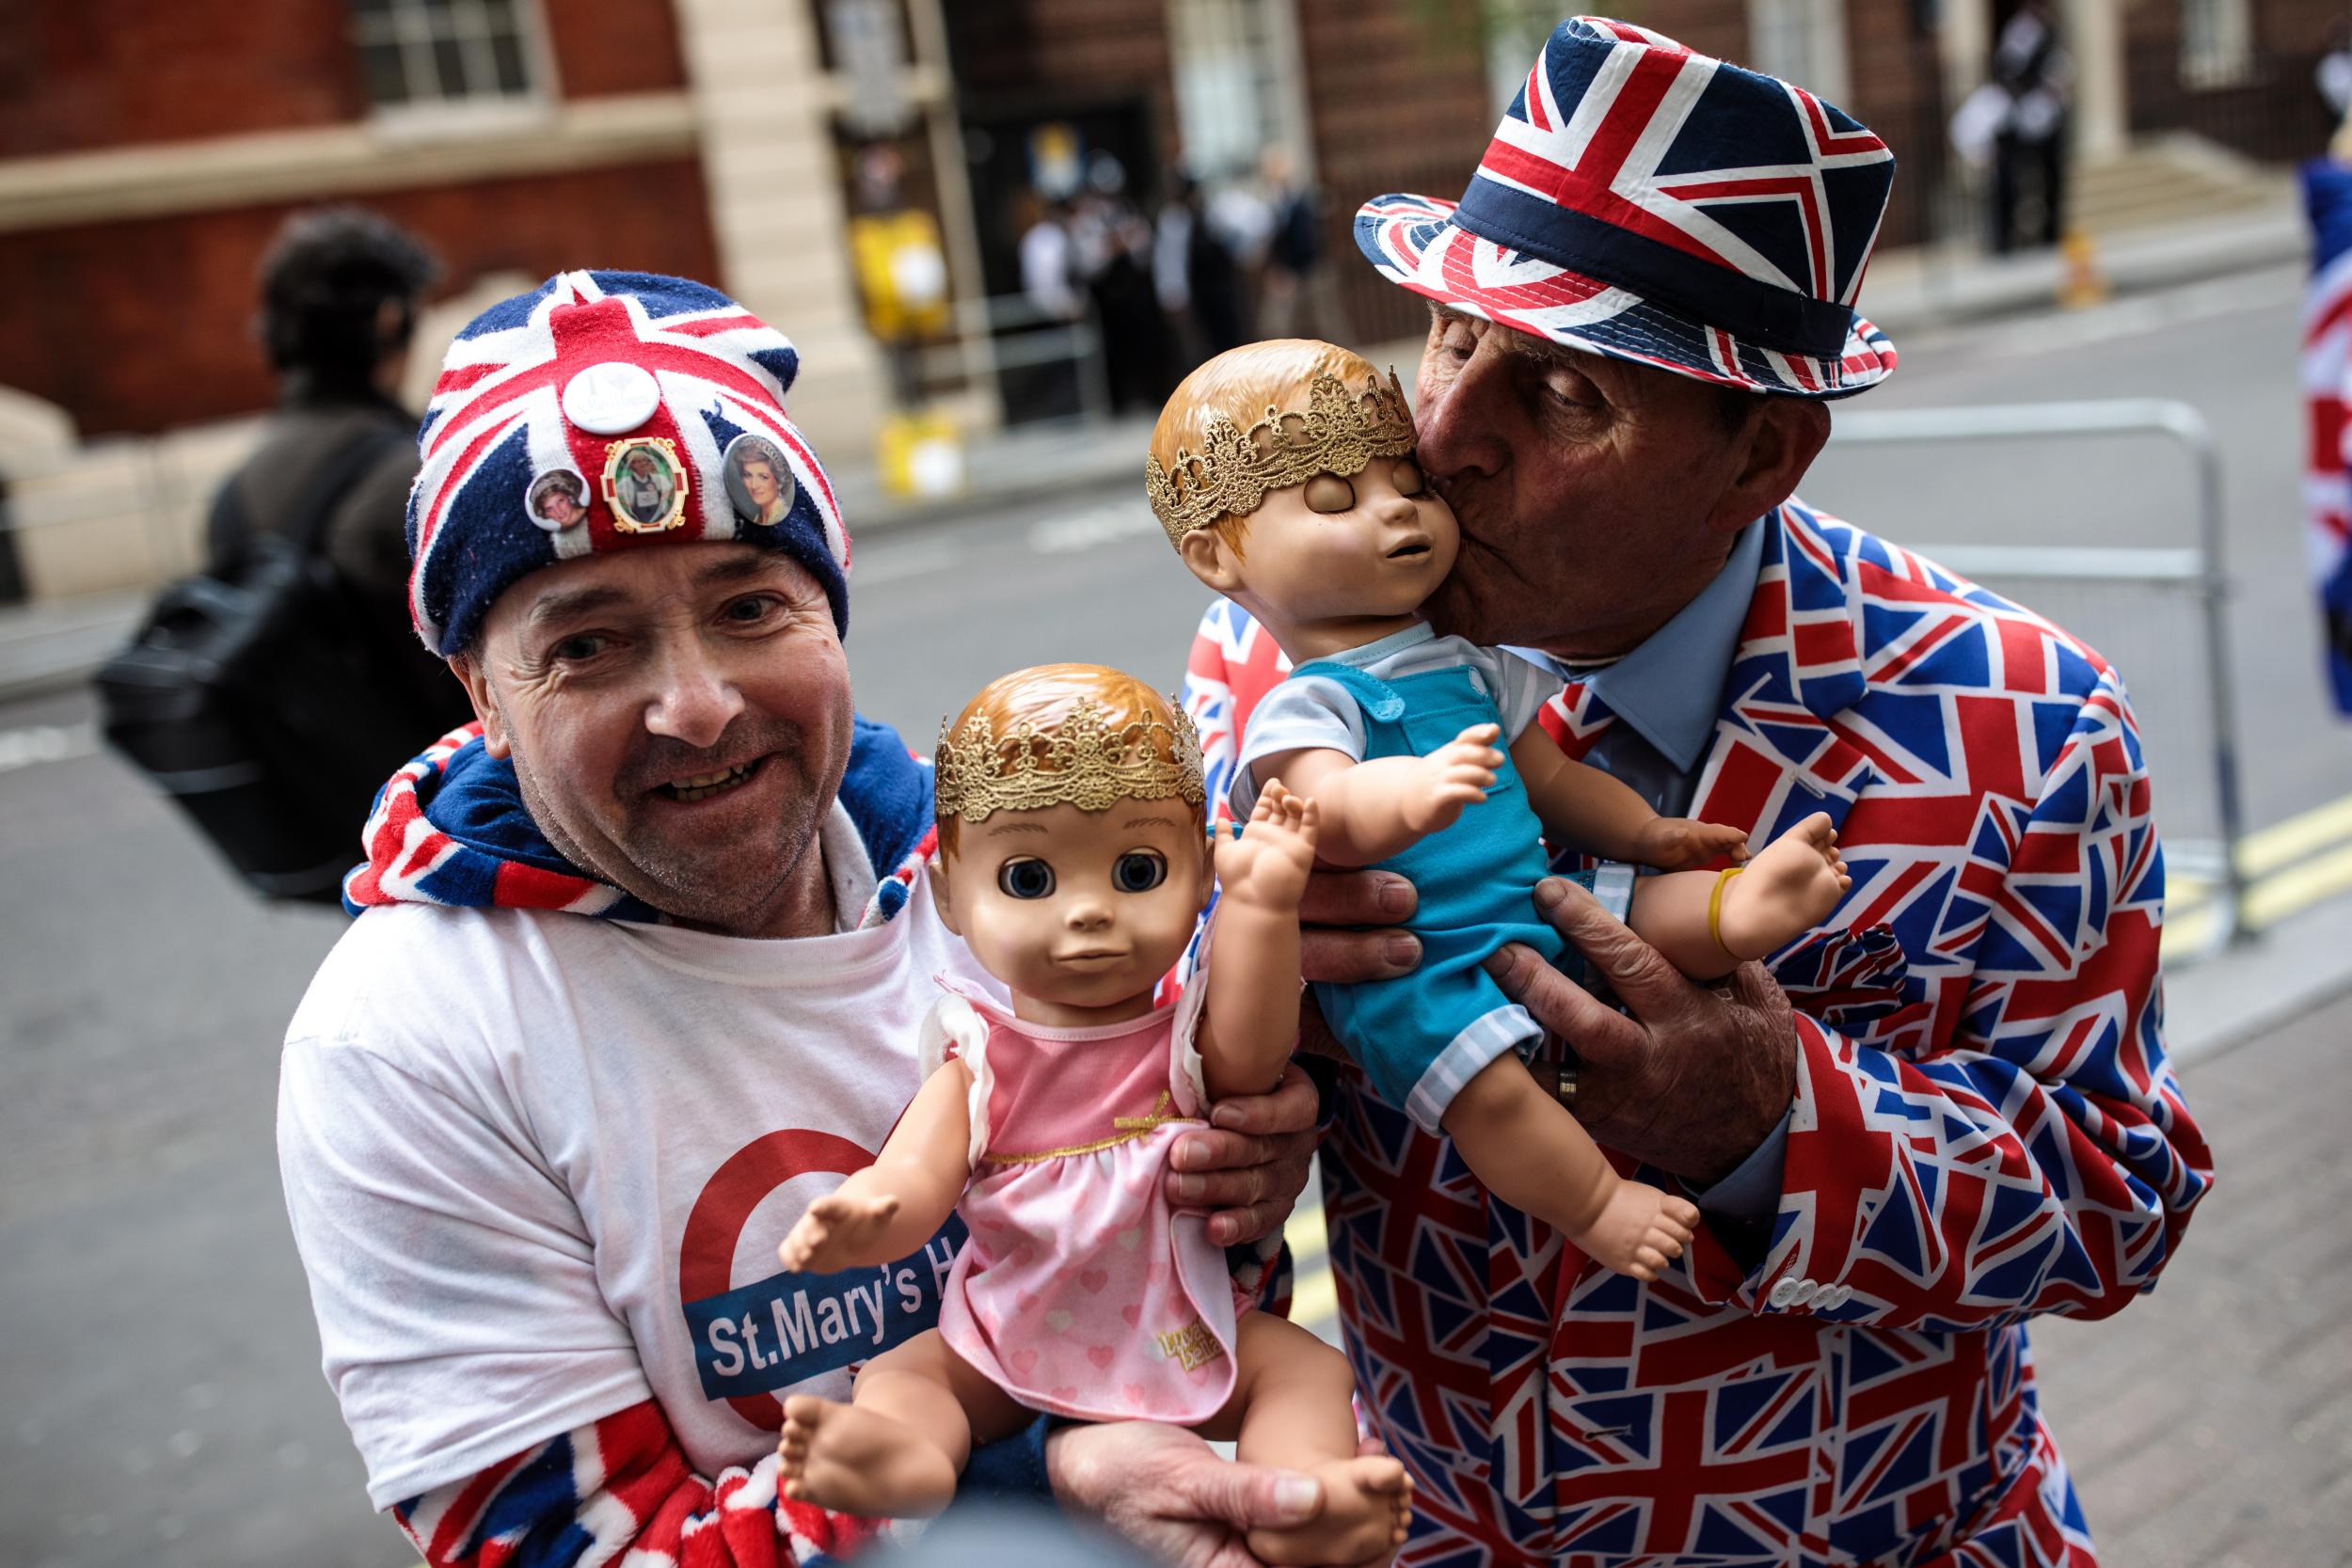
[
  {"x": 775, "y": 202},
  {"x": 2093, "y": 34}
]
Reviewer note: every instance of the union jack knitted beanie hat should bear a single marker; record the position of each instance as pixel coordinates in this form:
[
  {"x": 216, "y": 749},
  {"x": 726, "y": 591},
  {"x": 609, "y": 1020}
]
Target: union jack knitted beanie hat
[
  {"x": 1651, "y": 203},
  {"x": 609, "y": 411}
]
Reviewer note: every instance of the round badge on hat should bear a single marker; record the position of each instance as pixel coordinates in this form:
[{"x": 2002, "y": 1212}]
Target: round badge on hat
[
  {"x": 645, "y": 485},
  {"x": 759, "y": 482},
  {"x": 611, "y": 398},
  {"x": 558, "y": 499}
]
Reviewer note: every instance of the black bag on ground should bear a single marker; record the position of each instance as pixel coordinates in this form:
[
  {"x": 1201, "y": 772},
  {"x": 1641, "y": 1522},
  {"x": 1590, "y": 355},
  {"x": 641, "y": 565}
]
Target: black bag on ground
[{"x": 252, "y": 697}]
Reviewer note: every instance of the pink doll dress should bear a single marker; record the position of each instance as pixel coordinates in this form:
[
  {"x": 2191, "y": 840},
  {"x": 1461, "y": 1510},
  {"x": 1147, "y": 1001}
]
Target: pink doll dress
[{"x": 1081, "y": 1290}]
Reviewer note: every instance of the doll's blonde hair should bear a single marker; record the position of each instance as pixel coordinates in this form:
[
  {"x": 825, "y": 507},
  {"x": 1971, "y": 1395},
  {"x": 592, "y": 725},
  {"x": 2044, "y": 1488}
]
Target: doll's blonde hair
[
  {"x": 1241, "y": 385},
  {"x": 1045, "y": 695}
]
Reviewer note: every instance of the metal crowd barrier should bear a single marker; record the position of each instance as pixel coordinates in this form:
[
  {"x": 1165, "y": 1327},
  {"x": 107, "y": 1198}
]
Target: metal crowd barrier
[{"x": 2196, "y": 572}]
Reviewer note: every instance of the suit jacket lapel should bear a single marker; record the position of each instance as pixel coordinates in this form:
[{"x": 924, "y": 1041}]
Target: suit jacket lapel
[{"x": 1777, "y": 756}]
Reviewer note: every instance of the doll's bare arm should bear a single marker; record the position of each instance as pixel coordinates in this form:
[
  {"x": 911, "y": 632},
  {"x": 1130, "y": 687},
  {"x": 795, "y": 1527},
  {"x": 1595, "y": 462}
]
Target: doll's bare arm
[
  {"x": 1708, "y": 925},
  {"x": 1373, "y": 810},
  {"x": 1251, "y": 1023},
  {"x": 894, "y": 1205},
  {"x": 1582, "y": 808}
]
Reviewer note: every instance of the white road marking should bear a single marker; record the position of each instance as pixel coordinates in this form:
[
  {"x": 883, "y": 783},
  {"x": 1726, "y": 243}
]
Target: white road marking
[
  {"x": 1111, "y": 523},
  {"x": 35, "y": 744}
]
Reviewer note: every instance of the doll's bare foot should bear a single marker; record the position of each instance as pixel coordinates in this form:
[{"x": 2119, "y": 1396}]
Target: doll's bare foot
[
  {"x": 1640, "y": 1229},
  {"x": 1367, "y": 1504},
  {"x": 833, "y": 1232},
  {"x": 854, "y": 1461},
  {"x": 1790, "y": 887}
]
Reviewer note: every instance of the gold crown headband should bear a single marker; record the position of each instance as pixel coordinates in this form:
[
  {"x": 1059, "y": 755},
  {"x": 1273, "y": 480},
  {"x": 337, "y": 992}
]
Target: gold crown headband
[
  {"x": 1336, "y": 433},
  {"x": 1084, "y": 762}
]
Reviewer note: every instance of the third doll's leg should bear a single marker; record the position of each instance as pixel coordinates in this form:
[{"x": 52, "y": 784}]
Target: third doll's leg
[
  {"x": 898, "y": 1449},
  {"x": 1535, "y": 1156},
  {"x": 1291, "y": 1398},
  {"x": 1791, "y": 885}
]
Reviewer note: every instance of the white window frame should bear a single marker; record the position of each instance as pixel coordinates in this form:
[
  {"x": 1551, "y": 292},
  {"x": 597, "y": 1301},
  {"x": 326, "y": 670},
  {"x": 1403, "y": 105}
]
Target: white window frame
[
  {"x": 2216, "y": 42},
  {"x": 411, "y": 24},
  {"x": 1802, "y": 41}
]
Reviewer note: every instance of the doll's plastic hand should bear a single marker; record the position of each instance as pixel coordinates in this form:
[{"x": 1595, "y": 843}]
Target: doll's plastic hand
[
  {"x": 1167, "y": 1491},
  {"x": 1677, "y": 844},
  {"x": 835, "y": 1234},
  {"x": 1455, "y": 775},
  {"x": 1266, "y": 864}
]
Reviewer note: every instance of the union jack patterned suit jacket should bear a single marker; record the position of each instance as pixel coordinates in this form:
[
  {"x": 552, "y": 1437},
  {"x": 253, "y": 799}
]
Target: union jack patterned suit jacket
[{"x": 1985, "y": 1127}]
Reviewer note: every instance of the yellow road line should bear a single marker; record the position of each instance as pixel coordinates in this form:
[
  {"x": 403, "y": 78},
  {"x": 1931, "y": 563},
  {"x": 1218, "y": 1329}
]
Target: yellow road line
[
  {"x": 2283, "y": 844},
  {"x": 2284, "y": 893}
]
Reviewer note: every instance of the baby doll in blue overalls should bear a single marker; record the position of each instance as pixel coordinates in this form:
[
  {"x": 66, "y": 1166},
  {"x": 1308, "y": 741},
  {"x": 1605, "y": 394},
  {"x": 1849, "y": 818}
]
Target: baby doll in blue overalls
[{"x": 1283, "y": 473}]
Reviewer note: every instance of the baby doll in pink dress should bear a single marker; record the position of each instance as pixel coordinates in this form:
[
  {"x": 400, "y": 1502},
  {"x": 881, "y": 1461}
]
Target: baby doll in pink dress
[{"x": 1073, "y": 860}]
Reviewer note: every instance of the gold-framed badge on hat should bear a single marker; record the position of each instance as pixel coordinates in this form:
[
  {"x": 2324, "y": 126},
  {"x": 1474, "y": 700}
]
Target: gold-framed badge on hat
[{"x": 645, "y": 485}]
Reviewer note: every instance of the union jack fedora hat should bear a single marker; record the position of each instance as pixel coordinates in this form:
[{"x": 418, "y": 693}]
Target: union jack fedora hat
[{"x": 1652, "y": 204}]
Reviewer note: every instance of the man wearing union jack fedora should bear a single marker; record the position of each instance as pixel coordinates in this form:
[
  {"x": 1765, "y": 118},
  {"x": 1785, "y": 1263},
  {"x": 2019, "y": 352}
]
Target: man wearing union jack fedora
[
  {"x": 1945, "y": 1112},
  {"x": 637, "y": 969}
]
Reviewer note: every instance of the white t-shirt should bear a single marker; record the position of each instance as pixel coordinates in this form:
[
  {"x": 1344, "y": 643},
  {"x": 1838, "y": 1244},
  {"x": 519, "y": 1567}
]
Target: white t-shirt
[
  {"x": 538, "y": 1164},
  {"x": 1317, "y": 711}
]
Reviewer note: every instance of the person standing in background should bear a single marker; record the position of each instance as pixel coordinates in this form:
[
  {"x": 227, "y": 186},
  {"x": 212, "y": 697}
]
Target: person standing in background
[
  {"x": 340, "y": 291},
  {"x": 2036, "y": 72}
]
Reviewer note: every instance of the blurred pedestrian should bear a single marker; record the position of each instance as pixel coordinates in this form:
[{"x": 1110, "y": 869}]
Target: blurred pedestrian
[
  {"x": 1111, "y": 248},
  {"x": 1195, "y": 264},
  {"x": 340, "y": 291},
  {"x": 2035, "y": 72},
  {"x": 1297, "y": 296}
]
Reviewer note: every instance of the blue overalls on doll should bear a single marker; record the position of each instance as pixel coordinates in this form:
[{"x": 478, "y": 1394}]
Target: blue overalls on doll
[{"x": 1422, "y": 1036}]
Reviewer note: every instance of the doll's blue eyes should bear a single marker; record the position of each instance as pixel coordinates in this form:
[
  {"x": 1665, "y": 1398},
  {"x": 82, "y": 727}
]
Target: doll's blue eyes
[
  {"x": 1024, "y": 878},
  {"x": 1139, "y": 871}
]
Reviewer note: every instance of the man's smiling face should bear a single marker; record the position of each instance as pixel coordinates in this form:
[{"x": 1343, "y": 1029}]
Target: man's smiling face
[{"x": 679, "y": 721}]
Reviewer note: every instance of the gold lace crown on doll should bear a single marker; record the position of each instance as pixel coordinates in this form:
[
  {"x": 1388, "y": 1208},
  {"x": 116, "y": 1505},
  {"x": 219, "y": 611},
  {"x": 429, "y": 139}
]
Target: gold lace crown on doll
[
  {"x": 1336, "y": 433},
  {"x": 1081, "y": 761}
]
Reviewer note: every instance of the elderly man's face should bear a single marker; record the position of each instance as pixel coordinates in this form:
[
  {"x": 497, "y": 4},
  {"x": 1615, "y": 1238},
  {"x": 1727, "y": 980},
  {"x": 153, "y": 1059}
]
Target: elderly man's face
[
  {"x": 1596, "y": 497},
  {"x": 680, "y": 720}
]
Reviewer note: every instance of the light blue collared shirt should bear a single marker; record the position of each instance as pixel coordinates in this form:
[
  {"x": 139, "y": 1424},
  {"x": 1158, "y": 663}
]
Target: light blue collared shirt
[{"x": 1667, "y": 694}]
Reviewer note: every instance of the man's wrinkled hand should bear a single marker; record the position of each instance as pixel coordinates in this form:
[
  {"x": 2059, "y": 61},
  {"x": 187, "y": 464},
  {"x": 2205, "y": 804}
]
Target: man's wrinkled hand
[
  {"x": 1695, "y": 1079},
  {"x": 1167, "y": 1491},
  {"x": 1249, "y": 1164},
  {"x": 1345, "y": 918}
]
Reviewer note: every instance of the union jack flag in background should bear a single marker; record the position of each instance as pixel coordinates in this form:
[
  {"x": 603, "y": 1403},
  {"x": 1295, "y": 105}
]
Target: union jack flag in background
[
  {"x": 2327, "y": 363},
  {"x": 1985, "y": 1127}
]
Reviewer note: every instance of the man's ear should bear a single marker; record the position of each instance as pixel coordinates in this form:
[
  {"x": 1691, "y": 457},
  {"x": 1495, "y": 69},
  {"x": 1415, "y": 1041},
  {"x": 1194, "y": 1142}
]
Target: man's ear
[
  {"x": 468, "y": 668},
  {"x": 936, "y": 869},
  {"x": 1780, "y": 444},
  {"x": 1212, "y": 559}
]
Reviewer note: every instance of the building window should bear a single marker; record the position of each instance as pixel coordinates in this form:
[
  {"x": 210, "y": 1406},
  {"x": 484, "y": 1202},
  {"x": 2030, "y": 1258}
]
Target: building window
[
  {"x": 423, "y": 53},
  {"x": 1237, "y": 74},
  {"x": 2216, "y": 42},
  {"x": 1802, "y": 41}
]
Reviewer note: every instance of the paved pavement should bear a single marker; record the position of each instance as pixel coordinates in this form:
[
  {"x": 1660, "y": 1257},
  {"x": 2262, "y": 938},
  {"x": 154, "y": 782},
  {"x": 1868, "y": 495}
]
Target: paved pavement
[{"x": 2210, "y": 1424}]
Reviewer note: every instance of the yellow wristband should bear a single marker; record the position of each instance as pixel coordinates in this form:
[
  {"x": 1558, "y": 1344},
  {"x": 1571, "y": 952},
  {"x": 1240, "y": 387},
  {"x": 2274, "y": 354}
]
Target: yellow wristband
[{"x": 1715, "y": 909}]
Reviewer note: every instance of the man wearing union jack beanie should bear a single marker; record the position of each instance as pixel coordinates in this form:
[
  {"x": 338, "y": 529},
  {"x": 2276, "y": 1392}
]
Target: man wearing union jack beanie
[
  {"x": 638, "y": 966},
  {"x": 1948, "y": 1110}
]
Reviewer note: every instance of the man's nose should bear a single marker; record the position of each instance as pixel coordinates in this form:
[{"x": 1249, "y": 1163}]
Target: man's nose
[
  {"x": 695, "y": 700},
  {"x": 1456, "y": 427}
]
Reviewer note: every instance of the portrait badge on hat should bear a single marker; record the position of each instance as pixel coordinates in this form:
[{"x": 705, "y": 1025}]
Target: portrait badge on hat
[
  {"x": 558, "y": 499},
  {"x": 759, "y": 482},
  {"x": 645, "y": 485}
]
